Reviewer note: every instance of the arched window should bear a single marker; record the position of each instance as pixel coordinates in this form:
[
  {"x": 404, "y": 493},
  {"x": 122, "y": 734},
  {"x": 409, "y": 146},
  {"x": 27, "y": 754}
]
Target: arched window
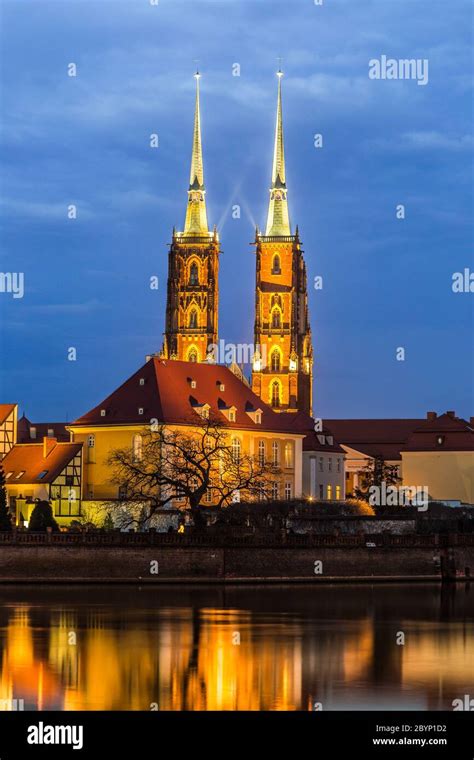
[
  {"x": 288, "y": 454},
  {"x": 193, "y": 355},
  {"x": 276, "y": 318},
  {"x": 193, "y": 319},
  {"x": 275, "y": 452},
  {"x": 276, "y": 267},
  {"x": 275, "y": 393},
  {"x": 276, "y": 300},
  {"x": 236, "y": 449},
  {"x": 137, "y": 448},
  {"x": 275, "y": 360},
  {"x": 261, "y": 453},
  {"x": 193, "y": 274}
]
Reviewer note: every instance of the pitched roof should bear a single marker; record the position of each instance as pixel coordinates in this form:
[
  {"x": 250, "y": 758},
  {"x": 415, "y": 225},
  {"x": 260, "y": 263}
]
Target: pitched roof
[
  {"x": 164, "y": 390},
  {"x": 5, "y": 411},
  {"x": 29, "y": 459},
  {"x": 42, "y": 428},
  {"x": 444, "y": 433},
  {"x": 312, "y": 442},
  {"x": 374, "y": 437}
]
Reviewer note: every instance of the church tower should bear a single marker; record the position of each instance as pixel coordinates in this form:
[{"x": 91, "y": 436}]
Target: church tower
[
  {"x": 282, "y": 372},
  {"x": 193, "y": 268}
]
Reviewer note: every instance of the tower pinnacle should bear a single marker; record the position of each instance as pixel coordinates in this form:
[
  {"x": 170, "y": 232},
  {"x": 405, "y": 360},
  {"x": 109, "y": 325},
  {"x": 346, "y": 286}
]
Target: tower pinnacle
[
  {"x": 278, "y": 222},
  {"x": 196, "y": 215}
]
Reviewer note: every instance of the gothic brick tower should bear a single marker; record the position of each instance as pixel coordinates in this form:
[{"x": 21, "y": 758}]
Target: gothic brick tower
[
  {"x": 193, "y": 268},
  {"x": 282, "y": 372}
]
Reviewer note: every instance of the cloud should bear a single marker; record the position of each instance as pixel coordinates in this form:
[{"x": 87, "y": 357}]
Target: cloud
[{"x": 437, "y": 140}]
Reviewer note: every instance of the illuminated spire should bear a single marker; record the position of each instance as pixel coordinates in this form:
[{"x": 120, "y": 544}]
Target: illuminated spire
[
  {"x": 278, "y": 222},
  {"x": 196, "y": 216}
]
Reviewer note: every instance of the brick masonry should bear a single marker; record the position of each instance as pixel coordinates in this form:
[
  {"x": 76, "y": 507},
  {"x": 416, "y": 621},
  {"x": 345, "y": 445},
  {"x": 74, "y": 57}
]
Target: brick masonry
[{"x": 190, "y": 563}]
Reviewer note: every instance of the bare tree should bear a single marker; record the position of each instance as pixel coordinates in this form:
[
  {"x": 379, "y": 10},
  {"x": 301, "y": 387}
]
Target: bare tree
[{"x": 188, "y": 465}]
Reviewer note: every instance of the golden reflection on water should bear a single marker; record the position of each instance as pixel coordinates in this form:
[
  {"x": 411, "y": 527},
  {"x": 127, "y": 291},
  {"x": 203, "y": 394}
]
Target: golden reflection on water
[{"x": 129, "y": 656}]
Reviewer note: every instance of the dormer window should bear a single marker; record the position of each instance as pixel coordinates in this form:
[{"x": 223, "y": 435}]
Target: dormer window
[
  {"x": 322, "y": 439},
  {"x": 140, "y": 410},
  {"x": 440, "y": 440},
  {"x": 142, "y": 381},
  {"x": 258, "y": 418},
  {"x": 102, "y": 412},
  {"x": 8, "y": 475},
  {"x": 22, "y": 472},
  {"x": 193, "y": 384},
  {"x": 230, "y": 413},
  {"x": 255, "y": 415},
  {"x": 221, "y": 387},
  {"x": 330, "y": 440}
]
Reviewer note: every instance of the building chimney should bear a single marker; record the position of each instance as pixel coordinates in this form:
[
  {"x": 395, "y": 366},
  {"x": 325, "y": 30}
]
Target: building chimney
[
  {"x": 451, "y": 414},
  {"x": 431, "y": 416},
  {"x": 48, "y": 445}
]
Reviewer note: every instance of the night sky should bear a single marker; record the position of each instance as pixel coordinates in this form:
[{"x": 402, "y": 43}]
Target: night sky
[{"x": 85, "y": 140}]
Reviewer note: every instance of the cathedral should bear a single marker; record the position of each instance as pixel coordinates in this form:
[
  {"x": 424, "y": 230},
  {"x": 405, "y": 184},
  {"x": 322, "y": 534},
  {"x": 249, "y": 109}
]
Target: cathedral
[{"x": 282, "y": 366}]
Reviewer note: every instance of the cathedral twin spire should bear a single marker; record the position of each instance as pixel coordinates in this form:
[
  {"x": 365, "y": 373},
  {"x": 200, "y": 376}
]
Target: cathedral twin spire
[
  {"x": 278, "y": 222},
  {"x": 196, "y": 214}
]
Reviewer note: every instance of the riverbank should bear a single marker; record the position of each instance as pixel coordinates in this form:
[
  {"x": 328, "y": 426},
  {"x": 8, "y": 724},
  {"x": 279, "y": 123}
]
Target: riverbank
[{"x": 162, "y": 558}]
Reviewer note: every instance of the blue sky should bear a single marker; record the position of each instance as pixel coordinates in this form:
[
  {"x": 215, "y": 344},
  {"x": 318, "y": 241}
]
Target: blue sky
[{"x": 85, "y": 140}]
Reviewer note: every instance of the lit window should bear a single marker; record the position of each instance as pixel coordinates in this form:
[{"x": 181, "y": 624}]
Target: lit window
[
  {"x": 140, "y": 410},
  {"x": 50, "y": 432},
  {"x": 275, "y": 452},
  {"x": 338, "y": 492},
  {"x": 276, "y": 394},
  {"x": 261, "y": 452},
  {"x": 276, "y": 319},
  {"x": 258, "y": 418},
  {"x": 193, "y": 274},
  {"x": 8, "y": 475},
  {"x": 32, "y": 432},
  {"x": 137, "y": 448},
  {"x": 142, "y": 381},
  {"x": 287, "y": 491},
  {"x": 42, "y": 474},
  {"x": 276, "y": 266},
  {"x": 288, "y": 454},
  {"x": 275, "y": 360},
  {"x": 236, "y": 449},
  {"x": 22, "y": 472},
  {"x": 91, "y": 441},
  {"x": 329, "y": 492},
  {"x": 102, "y": 412},
  {"x": 232, "y": 415}
]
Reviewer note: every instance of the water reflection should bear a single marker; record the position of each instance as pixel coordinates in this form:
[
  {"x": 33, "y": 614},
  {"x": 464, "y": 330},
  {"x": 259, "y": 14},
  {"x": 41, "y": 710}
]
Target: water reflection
[{"x": 238, "y": 648}]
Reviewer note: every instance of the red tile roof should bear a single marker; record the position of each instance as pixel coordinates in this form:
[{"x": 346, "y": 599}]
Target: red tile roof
[
  {"x": 28, "y": 457},
  {"x": 24, "y": 430},
  {"x": 166, "y": 394},
  {"x": 312, "y": 442},
  {"x": 5, "y": 411},
  {"x": 374, "y": 437},
  {"x": 445, "y": 433}
]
